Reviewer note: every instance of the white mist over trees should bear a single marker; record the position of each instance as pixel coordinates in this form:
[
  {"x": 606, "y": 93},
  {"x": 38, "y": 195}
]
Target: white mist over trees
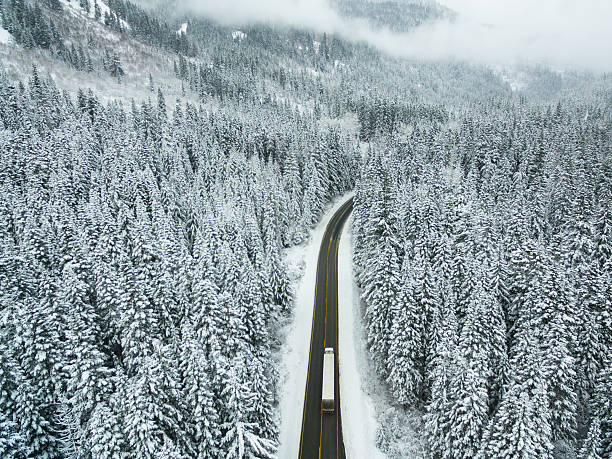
[{"x": 567, "y": 34}]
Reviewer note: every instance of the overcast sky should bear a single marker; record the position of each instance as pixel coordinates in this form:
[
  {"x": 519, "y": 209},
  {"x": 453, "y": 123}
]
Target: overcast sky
[{"x": 567, "y": 34}]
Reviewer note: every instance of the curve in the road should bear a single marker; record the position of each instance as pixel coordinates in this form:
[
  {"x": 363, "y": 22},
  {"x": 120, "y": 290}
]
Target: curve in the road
[{"x": 321, "y": 435}]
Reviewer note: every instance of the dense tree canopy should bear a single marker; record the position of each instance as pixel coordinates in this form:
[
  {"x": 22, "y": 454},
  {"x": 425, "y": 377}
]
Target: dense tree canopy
[
  {"x": 502, "y": 224},
  {"x": 141, "y": 273}
]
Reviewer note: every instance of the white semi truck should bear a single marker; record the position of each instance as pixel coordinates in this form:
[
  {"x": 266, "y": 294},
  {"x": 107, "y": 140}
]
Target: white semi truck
[{"x": 327, "y": 396}]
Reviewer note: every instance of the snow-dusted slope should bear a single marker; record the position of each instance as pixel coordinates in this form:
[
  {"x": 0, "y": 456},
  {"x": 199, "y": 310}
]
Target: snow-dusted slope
[
  {"x": 138, "y": 59},
  {"x": 76, "y": 8}
]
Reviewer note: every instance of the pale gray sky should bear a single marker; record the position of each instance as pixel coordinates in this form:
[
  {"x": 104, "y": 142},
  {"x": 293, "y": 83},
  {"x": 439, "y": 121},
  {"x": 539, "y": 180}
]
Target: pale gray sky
[{"x": 562, "y": 33}]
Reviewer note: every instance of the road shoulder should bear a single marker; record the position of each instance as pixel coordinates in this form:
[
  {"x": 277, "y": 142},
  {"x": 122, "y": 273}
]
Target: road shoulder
[
  {"x": 295, "y": 349},
  {"x": 359, "y": 423}
]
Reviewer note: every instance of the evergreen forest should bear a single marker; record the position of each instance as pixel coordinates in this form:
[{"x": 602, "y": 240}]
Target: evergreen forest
[{"x": 158, "y": 167}]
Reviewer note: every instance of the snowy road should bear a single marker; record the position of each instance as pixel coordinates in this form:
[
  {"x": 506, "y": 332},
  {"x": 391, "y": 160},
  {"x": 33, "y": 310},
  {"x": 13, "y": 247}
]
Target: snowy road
[{"x": 321, "y": 434}]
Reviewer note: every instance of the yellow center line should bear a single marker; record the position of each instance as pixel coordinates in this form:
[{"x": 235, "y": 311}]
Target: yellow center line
[
  {"x": 338, "y": 216},
  {"x": 314, "y": 311},
  {"x": 326, "y": 291},
  {"x": 331, "y": 238}
]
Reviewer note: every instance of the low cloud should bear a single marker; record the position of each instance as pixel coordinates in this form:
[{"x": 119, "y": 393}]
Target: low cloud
[
  {"x": 314, "y": 14},
  {"x": 566, "y": 34}
]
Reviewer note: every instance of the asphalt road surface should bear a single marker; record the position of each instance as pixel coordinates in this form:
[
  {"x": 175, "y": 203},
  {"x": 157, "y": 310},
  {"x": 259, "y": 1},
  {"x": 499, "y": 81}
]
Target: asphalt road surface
[{"x": 322, "y": 433}]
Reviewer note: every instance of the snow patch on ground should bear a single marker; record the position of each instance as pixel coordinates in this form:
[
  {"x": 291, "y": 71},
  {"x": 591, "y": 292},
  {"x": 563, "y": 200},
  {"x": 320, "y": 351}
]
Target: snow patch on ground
[
  {"x": 302, "y": 264},
  {"x": 104, "y": 9},
  {"x": 359, "y": 424},
  {"x": 76, "y": 7},
  {"x": 183, "y": 29},
  {"x": 238, "y": 35},
  {"x": 5, "y": 37}
]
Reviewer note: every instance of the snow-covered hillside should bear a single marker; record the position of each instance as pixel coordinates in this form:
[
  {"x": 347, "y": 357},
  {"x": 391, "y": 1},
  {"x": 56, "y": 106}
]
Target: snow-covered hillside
[
  {"x": 484, "y": 291},
  {"x": 161, "y": 284},
  {"x": 138, "y": 60}
]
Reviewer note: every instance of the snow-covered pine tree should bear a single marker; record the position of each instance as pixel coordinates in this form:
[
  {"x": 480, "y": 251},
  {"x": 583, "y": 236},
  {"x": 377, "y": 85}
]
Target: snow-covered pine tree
[
  {"x": 521, "y": 426},
  {"x": 200, "y": 403},
  {"x": 381, "y": 297},
  {"x": 591, "y": 447},
  {"x": 405, "y": 357},
  {"x": 89, "y": 381},
  {"x": 437, "y": 419}
]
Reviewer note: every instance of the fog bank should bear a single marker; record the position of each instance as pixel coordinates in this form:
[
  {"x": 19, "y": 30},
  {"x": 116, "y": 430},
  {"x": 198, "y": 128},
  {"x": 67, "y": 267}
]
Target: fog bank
[{"x": 565, "y": 34}]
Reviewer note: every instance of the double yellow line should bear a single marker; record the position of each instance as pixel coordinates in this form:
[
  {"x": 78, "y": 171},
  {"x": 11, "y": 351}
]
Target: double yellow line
[
  {"x": 331, "y": 228},
  {"x": 348, "y": 210}
]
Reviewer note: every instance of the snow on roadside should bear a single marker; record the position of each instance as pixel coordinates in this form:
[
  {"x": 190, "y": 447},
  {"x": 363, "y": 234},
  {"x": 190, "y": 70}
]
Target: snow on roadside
[
  {"x": 301, "y": 261},
  {"x": 372, "y": 424},
  {"x": 359, "y": 424}
]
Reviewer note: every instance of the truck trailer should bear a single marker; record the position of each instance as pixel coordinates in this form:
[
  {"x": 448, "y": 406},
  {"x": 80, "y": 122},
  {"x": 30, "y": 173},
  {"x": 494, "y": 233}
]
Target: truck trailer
[{"x": 327, "y": 397}]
